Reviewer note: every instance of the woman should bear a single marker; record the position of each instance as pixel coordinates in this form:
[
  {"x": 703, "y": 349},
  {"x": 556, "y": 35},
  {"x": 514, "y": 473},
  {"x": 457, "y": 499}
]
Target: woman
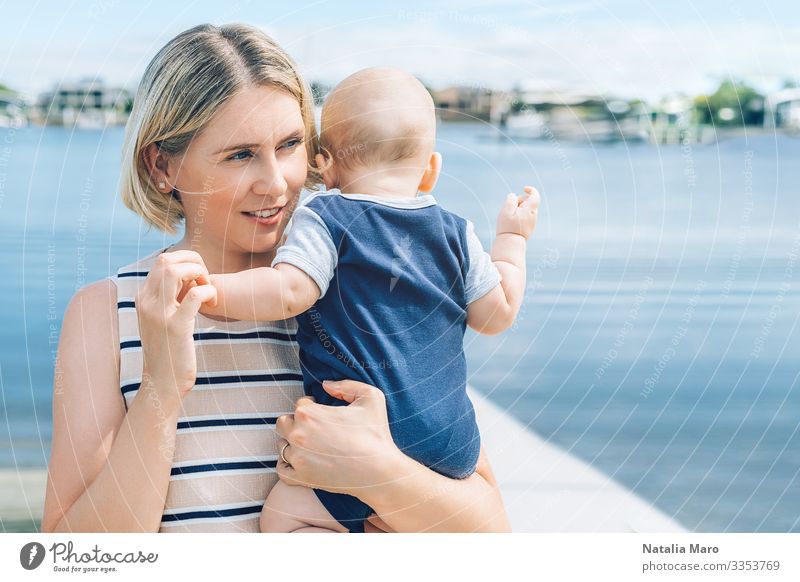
[{"x": 219, "y": 138}]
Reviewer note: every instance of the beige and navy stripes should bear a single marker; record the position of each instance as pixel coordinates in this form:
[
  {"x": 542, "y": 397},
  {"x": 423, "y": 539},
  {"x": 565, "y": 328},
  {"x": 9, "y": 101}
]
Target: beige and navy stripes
[{"x": 248, "y": 374}]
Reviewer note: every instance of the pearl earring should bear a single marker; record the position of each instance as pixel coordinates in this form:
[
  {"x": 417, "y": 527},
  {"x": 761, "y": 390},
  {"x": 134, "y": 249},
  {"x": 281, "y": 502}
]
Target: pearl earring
[{"x": 161, "y": 185}]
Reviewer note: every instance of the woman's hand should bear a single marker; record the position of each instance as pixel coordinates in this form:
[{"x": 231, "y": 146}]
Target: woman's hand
[
  {"x": 341, "y": 449},
  {"x": 349, "y": 449},
  {"x": 166, "y": 306}
]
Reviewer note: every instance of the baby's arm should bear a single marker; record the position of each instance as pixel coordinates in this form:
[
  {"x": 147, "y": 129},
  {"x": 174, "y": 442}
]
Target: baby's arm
[
  {"x": 497, "y": 309},
  {"x": 264, "y": 293},
  {"x": 301, "y": 271}
]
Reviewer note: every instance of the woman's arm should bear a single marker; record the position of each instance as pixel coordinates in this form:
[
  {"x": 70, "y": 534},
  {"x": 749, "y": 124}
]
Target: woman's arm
[
  {"x": 349, "y": 449},
  {"x": 106, "y": 472},
  {"x": 469, "y": 505},
  {"x": 451, "y": 509},
  {"x": 109, "y": 471}
]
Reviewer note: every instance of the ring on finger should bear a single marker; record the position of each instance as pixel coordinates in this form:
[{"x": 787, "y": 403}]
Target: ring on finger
[{"x": 283, "y": 458}]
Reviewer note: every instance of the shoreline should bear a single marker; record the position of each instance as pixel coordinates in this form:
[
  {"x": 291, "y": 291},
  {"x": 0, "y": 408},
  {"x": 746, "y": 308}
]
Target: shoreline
[
  {"x": 21, "y": 499},
  {"x": 544, "y": 488}
]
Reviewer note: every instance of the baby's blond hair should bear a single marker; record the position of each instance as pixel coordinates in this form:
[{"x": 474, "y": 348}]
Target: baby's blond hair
[{"x": 376, "y": 117}]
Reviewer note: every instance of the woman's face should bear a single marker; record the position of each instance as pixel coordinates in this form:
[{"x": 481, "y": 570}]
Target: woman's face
[{"x": 241, "y": 177}]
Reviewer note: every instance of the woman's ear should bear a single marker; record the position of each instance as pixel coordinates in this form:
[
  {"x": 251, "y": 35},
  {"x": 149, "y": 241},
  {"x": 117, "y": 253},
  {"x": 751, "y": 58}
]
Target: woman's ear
[
  {"x": 326, "y": 170},
  {"x": 157, "y": 166},
  {"x": 431, "y": 174}
]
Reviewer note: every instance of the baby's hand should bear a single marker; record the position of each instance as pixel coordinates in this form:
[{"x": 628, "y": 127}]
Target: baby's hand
[
  {"x": 518, "y": 215},
  {"x": 206, "y": 308}
]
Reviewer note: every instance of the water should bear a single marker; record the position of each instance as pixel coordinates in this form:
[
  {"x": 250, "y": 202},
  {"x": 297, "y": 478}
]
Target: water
[{"x": 658, "y": 340}]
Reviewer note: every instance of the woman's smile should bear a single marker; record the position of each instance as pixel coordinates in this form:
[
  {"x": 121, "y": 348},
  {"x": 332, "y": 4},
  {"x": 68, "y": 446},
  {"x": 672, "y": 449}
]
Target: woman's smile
[{"x": 266, "y": 216}]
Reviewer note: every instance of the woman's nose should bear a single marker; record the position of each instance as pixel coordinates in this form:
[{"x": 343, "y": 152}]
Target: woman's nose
[{"x": 271, "y": 181}]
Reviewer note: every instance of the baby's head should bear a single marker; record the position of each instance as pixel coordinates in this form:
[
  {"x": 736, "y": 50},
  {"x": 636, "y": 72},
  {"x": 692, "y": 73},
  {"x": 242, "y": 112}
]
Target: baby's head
[{"x": 379, "y": 127}]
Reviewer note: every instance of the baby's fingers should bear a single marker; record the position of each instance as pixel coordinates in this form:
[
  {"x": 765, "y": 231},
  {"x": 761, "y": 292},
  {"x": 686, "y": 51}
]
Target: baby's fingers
[
  {"x": 186, "y": 287},
  {"x": 512, "y": 203},
  {"x": 532, "y": 198},
  {"x": 194, "y": 298}
]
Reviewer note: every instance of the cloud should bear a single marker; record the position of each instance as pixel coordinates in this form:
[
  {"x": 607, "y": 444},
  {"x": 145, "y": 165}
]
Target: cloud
[
  {"x": 638, "y": 59},
  {"x": 565, "y": 46}
]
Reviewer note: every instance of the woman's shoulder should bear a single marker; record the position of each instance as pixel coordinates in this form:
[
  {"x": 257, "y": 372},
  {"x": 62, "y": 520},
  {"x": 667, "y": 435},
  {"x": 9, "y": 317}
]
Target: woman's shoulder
[
  {"x": 103, "y": 293},
  {"x": 98, "y": 293},
  {"x": 88, "y": 348},
  {"x": 93, "y": 309},
  {"x": 92, "y": 313}
]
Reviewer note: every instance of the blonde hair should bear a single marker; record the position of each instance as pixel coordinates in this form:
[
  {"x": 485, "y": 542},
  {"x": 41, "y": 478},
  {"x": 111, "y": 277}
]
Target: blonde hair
[
  {"x": 184, "y": 86},
  {"x": 377, "y": 116}
]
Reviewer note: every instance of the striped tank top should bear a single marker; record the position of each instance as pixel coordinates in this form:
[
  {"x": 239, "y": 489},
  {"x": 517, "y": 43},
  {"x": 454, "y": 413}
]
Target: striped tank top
[{"x": 248, "y": 374}]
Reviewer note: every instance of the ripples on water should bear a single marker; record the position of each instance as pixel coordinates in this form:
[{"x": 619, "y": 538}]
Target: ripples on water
[{"x": 659, "y": 336}]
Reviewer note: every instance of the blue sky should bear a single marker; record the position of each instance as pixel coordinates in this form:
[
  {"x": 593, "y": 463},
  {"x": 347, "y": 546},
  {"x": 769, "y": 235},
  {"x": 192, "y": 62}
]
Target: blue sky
[{"x": 627, "y": 48}]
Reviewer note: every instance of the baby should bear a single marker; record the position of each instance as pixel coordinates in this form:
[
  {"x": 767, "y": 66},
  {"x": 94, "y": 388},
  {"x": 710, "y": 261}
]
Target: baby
[{"x": 383, "y": 282}]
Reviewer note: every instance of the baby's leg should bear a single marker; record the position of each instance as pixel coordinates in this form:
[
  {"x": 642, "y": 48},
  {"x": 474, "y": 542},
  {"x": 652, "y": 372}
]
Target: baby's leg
[{"x": 292, "y": 508}]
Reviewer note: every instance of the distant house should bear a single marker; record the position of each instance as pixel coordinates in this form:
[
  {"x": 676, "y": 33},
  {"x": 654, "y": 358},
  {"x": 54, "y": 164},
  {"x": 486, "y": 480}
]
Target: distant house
[
  {"x": 85, "y": 104},
  {"x": 782, "y": 110},
  {"x": 463, "y": 103}
]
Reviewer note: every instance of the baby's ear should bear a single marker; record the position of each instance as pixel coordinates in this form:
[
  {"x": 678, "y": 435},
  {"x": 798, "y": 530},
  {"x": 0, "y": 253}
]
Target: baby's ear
[
  {"x": 431, "y": 175},
  {"x": 325, "y": 167},
  {"x": 320, "y": 162}
]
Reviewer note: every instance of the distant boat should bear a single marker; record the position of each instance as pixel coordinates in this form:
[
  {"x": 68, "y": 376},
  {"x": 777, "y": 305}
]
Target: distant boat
[
  {"x": 92, "y": 119},
  {"x": 570, "y": 117},
  {"x": 571, "y": 128},
  {"x": 11, "y": 114},
  {"x": 529, "y": 125}
]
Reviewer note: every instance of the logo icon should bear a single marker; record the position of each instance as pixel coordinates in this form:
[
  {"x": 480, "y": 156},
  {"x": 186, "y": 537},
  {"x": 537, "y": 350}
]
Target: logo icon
[
  {"x": 402, "y": 254},
  {"x": 31, "y": 555}
]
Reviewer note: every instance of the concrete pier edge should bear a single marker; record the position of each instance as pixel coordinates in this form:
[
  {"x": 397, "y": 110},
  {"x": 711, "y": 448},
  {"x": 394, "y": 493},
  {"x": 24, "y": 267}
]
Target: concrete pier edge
[{"x": 545, "y": 489}]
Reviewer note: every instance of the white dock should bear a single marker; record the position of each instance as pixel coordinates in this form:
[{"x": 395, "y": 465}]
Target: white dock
[
  {"x": 21, "y": 498},
  {"x": 544, "y": 488}
]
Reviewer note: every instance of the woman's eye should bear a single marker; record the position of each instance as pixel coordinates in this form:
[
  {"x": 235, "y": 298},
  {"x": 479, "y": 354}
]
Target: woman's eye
[
  {"x": 292, "y": 143},
  {"x": 242, "y": 155}
]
